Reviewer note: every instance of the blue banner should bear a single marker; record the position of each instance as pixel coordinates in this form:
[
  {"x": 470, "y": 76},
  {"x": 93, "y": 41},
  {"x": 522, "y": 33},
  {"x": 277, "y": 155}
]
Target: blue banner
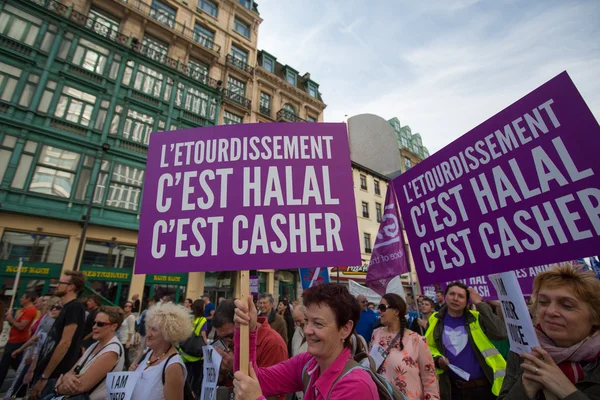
[{"x": 313, "y": 276}]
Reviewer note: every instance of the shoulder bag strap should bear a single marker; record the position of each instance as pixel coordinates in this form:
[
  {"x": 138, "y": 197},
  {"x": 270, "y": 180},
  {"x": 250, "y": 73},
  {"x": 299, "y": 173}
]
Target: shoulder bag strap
[
  {"x": 387, "y": 351},
  {"x": 111, "y": 370},
  {"x": 165, "y": 367}
]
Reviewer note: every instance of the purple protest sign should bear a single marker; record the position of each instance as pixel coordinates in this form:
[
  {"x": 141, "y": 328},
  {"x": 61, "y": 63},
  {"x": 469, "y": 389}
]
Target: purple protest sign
[
  {"x": 521, "y": 189},
  {"x": 388, "y": 259},
  {"x": 257, "y": 196}
]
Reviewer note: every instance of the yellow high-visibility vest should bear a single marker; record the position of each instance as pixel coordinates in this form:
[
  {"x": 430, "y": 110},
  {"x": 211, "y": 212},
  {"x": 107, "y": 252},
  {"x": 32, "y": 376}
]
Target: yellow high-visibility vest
[{"x": 492, "y": 357}]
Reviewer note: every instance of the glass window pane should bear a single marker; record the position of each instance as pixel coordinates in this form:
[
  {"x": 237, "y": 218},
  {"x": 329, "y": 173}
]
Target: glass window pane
[
  {"x": 108, "y": 254},
  {"x": 82, "y": 185},
  {"x": 22, "y": 172},
  {"x": 52, "y": 182},
  {"x": 33, "y": 247},
  {"x": 59, "y": 158},
  {"x": 30, "y": 146},
  {"x": 4, "y": 159},
  {"x": 26, "y": 96},
  {"x": 9, "y": 89},
  {"x": 9, "y": 141}
]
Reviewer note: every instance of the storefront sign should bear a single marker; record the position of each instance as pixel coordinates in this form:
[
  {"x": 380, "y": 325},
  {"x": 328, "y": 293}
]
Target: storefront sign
[
  {"x": 173, "y": 279},
  {"x": 521, "y": 189},
  {"x": 31, "y": 270},
  {"x": 254, "y": 196},
  {"x": 106, "y": 274}
]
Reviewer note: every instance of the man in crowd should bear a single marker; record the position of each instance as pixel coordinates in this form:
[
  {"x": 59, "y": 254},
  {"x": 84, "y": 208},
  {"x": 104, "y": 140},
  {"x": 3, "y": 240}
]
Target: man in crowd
[
  {"x": 460, "y": 337},
  {"x": 299, "y": 344},
  {"x": 440, "y": 300},
  {"x": 19, "y": 332},
  {"x": 419, "y": 325},
  {"x": 266, "y": 306},
  {"x": 93, "y": 304},
  {"x": 62, "y": 347},
  {"x": 367, "y": 320},
  {"x": 270, "y": 347},
  {"x": 137, "y": 304},
  {"x": 209, "y": 312}
]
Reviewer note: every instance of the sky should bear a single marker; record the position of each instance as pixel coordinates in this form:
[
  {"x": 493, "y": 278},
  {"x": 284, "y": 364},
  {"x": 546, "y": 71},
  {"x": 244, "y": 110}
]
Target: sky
[{"x": 441, "y": 66}]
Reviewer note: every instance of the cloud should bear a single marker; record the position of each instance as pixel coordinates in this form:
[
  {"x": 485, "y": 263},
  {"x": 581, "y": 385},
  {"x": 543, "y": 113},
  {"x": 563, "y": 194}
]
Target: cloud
[{"x": 441, "y": 67}]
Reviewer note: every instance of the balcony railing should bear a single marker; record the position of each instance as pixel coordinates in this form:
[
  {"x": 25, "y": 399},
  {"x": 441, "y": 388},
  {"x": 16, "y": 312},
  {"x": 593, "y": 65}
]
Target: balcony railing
[
  {"x": 168, "y": 21},
  {"x": 110, "y": 34},
  {"x": 237, "y": 99},
  {"x": 288, "y": 116},
  {"x": 205, "y": 42},
  {"x": 239, "y": 64}
]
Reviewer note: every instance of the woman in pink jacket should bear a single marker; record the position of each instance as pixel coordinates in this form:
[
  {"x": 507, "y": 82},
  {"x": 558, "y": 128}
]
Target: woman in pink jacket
[{"x": 331, "y": 315}]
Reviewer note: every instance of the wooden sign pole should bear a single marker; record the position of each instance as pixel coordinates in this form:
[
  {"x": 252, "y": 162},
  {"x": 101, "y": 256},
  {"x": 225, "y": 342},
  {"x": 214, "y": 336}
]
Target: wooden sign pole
[
  {"x": 244, "y": 294},
  {"x": 16, "y": 285}
]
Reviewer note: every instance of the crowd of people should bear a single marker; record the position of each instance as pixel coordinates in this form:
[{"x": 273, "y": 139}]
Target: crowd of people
[{"x": 453, "y": 346}]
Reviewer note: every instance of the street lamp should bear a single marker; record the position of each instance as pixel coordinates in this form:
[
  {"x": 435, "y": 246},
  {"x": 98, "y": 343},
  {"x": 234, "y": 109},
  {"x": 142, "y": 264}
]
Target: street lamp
[{"x": 86, "y": 217}]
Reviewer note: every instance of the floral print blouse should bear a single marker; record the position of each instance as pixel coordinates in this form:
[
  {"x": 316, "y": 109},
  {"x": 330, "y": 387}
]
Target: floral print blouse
[{"x": 411, "y": 369}]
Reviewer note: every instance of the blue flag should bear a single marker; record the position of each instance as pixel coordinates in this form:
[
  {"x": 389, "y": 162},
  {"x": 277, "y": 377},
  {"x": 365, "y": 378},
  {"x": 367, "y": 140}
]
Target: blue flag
[{"x": 313, "y": 276}]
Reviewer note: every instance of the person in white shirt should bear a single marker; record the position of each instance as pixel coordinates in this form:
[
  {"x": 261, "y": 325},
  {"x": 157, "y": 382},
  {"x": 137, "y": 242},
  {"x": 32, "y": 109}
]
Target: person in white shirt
[{"x": 127, "y": 330}]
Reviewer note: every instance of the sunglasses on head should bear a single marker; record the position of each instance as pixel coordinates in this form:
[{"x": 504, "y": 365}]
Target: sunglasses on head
[
  {"x": 101, "y": 324},
  {"x": 383, "y": 307}
]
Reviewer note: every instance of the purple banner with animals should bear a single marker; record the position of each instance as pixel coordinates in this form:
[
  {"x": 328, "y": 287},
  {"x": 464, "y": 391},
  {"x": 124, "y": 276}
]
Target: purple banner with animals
[
  {"x": 256, "y": 196},
  {"x": 520, "y": 190}
]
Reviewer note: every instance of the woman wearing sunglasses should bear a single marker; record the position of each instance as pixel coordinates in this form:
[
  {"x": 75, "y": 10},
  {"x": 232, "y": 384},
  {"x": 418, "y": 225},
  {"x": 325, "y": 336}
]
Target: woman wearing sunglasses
[
  {"x": 403, "y": 357},
  {"x": 88, "y": 375}
]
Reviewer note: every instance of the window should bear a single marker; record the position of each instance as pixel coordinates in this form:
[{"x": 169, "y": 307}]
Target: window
[
  {"x": 24, "y": 165},
  {"x": 239, "y": 54},
  {"x": 138, "y": 126},
  {"x": 125, "y": 186},
  {"x": 108, "y": 255},
  {"x": 404, "y": 141},
  {"x": 163, "y": 13},
  {"x": 268, "y": 63},
  {"x": 311, "y": 119},
  {"x": 19, "y": 25},
  {"x": 290, "y": 77},
  {"x": 90, "y": 56},
  {"x": 33, "y": 247},
  {"x": 47, "y": 96},
  {"x": 241, "y": 27},
  {"x": 209, "y": 7},
  {"x": 231, "y": 119},
  {"x": 367, "y": 242},
  {"x": 156, "y": 49},
  {"x": 246, "y": 3},
  {"x": 365, "y": 209},
  {"x": 198, "y": 102},
  {"x": 378, "y": 212},
  {"x": 147, "y": 80},
  {"x": 204, "y": 36},
  {"x": 376, "y": 187},
  {"x": 75, "y": 105},
  {"x": 102, "y": 24},
  {"x": 407, "y": 163},
  {"x": 55, "y": 173},
  {"x": 289, "y": 108},
  {"x": 265, "y": 104},
  {"x": 312, "y": 90},
  {"x": 27, "y": 95},
  {"x": 198, "y": 66},
  {"x": 83, "y": 182},
  {"x": 9, "y": 77},
  {"x": 236, "y": 86},
  {"x": 6, "y": 148},
  {"x": 48, "y": 38},
  {"x": 363, "y": 182}
]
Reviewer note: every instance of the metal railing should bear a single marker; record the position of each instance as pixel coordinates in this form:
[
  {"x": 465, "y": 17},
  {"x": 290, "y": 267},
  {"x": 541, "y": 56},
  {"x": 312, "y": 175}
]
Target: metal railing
[
  {"x": 168, "y": 21},
  {"x": 239, "y": 64},
  {"x": 237, "y": 98},
  {"x": 285, "y": 115},
  {"x": 135, "y": 45}
]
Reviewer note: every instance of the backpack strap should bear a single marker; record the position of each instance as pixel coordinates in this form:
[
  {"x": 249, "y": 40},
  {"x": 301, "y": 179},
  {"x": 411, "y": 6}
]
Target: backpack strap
[
  {"x": 350, "y": 365},
  {"x": 165, "y": 367},
  {"x": 305, "y": 375}
]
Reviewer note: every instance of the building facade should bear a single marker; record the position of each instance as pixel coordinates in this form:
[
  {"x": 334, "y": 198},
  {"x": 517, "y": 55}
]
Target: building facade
[
  {"x": 412, "y": 150},
  {"x": 83, "y": 84}
]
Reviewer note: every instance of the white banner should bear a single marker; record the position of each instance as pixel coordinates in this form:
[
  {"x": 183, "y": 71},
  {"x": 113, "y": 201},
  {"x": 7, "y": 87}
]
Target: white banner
[
  {"x": 521, "y": 333},
  {"x": 212, "y": 364},
  {"x": 394, "y": 286},
  {"x": 120, "y": 385}
]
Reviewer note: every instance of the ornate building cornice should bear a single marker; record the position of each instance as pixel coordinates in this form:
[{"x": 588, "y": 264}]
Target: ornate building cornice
[{"x": 262, "y": 73}]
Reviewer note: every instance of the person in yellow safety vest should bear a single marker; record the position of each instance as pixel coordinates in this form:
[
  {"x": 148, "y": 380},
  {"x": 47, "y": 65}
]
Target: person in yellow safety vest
[
  {"x": 194, "y": 364},
  {"x": 467, "y": 363}
]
